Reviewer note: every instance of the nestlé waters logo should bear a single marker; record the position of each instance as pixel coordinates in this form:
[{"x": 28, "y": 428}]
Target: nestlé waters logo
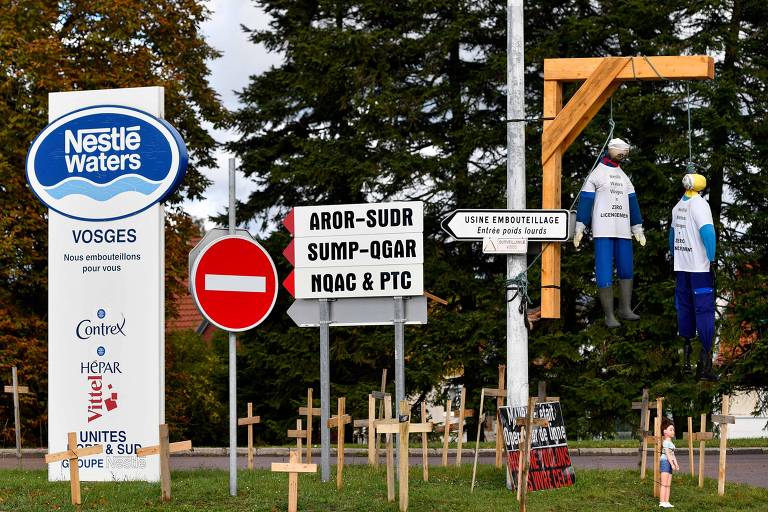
[
  {"x": 88, "y": 328},
  {"x": 105, "y": 162}
]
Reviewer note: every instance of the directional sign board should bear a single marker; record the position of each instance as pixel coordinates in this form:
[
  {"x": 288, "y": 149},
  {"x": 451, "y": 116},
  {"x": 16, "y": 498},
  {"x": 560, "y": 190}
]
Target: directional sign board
[
  {"x": 234, "y": 283},
  {"x": 358, "y": 311},
  {"x": 531, "y": 225},
  {"x": 356, "y": 219},
  {"x": 356, "y": 250}
]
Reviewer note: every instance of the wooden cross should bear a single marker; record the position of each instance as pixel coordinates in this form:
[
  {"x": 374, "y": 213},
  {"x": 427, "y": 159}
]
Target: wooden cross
[
  {"x": 338, "y": 422},
  {"x": 459, "y": 425},
  {"x": 645, "y": 418},
  {"x": 656, "y": 439},
  {"x": 723, "y": 420},
  {"x": 299, "y": 434},
  {"x": 309, "y": 411},
  {"x": 404, "y": 428},
  {"x": 500, "y": 393},
  {"x": 16, "y": 390},
  {"x": 293, "y": 468},
  {"x": 250, "y": 420},
  {"x": 72, "y": 454},
  {"x": 542, "y": 394},
  {"x": 702, "y": 436},
  {"x": 373, "y": 439},
  {"x": 602, "y": 76},
  {"x": 164, "y": 450},
  {"x": 527, "y": 424},
  {"x": 424, "y": 443}
]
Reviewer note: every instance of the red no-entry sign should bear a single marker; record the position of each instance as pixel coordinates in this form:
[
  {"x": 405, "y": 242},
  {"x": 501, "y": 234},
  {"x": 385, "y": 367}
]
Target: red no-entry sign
[{"x": 234, "y": 283}]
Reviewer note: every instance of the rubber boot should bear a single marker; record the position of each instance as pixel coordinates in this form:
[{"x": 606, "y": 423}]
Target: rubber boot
[
  {"x": 625, "y": 300},
  {"x": 707, "y": 373},
  {"x": 702, "y": 362},
  {"x": 606, "y": 300},
  {"x": 687, "y": 351}
]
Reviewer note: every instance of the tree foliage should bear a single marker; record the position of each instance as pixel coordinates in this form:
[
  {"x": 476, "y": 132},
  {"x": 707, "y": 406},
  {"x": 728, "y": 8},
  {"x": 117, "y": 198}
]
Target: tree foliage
[
  {"x": 68, "y": 46},
  {"x": 378, "y": 101}
]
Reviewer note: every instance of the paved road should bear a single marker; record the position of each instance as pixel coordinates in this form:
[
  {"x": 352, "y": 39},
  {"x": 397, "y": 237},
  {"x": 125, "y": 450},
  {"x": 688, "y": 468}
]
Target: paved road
[{"x": 750, "y": 469}]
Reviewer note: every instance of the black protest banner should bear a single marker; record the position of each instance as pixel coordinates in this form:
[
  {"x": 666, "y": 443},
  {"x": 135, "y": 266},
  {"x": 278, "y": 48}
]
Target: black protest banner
[{"x": 549, "y": 463}]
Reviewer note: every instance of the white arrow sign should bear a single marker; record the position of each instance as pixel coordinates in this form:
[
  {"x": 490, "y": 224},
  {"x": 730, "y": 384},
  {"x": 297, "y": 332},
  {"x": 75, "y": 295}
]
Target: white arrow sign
[
  {"x": 356, "y": 219},
  {"x": 358, "y": 311},
  {"x": 346, "y": 251},
  {"x": 371, "y": 281},
  {"x": 532, "y": 225}
]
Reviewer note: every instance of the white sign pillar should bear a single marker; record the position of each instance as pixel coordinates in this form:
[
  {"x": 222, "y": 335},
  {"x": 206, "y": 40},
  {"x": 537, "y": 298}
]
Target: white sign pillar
[
  {"x": 517, "y": 334},
  {"x": 106, "y": 323}
]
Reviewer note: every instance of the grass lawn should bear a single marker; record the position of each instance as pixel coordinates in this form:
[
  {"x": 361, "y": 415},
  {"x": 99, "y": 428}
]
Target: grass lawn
[{"x": 365, "y": 490}]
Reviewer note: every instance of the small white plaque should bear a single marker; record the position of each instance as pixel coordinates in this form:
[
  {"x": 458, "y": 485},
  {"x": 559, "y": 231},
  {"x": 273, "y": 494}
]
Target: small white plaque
[{"x": 505, "y": 245}]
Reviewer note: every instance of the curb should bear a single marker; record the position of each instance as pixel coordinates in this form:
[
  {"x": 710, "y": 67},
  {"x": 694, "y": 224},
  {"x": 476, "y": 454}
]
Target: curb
[{"x": 276, "y": 451}]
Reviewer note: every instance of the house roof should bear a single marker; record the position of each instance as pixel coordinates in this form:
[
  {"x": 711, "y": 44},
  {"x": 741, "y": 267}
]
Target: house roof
[{"x": 189, "y": 316}]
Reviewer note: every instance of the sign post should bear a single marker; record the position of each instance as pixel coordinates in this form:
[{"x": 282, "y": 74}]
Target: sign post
[
  {"x": 359, "y": 262},
  {"x": 234, "y": 283}
]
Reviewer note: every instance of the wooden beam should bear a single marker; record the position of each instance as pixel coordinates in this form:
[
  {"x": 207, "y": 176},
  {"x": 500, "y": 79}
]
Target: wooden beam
[
  {"x": 576, "y": 113},
  {"x": 550, "y": 258},
  {"x": 179, "y": 446},
  {"x": 74, "y": 454},
  {"x": 295, "y": 467},
  {"x": 692, "y": 67},
  {"x": 22, "y": 390}
]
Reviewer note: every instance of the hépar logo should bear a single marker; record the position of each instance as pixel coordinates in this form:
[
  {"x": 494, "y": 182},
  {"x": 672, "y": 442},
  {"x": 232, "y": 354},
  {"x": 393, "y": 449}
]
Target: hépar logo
[
  {"x": 105, "y": 162},
  {"x": 89, "y": 328}
]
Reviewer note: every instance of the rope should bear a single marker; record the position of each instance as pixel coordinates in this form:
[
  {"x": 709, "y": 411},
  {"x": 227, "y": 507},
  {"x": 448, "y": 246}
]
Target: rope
[
  {"x": 690, "y": 166},
  {"x": 519, "y": 285},
  {"x": 612, "y": 125},
  {"x": 654, "y": 68},
  {"x": 530, "y": 119}
]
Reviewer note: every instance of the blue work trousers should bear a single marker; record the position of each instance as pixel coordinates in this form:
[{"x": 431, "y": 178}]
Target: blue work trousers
[
  {"x": 606, "y": 251},
  {"x": 695, "y": 304}
]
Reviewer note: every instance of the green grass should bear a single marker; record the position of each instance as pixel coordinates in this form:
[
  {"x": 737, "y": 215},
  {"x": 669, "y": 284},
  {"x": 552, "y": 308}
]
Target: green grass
[{"x": 365, "y": 490}]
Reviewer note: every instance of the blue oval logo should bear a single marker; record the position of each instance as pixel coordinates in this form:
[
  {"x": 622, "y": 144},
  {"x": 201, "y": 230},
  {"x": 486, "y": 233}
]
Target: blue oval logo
[{"x": 105, "y": 163}]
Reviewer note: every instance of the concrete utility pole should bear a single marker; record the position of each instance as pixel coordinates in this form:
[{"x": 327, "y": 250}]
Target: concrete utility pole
[{"x": 517, "y": 334}]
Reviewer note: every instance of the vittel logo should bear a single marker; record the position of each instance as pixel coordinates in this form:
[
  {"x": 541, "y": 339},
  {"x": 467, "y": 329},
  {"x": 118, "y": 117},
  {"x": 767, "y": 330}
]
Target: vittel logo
[
  {"x": 105, "y": 163},
  {"x": 89, "y": 328}
]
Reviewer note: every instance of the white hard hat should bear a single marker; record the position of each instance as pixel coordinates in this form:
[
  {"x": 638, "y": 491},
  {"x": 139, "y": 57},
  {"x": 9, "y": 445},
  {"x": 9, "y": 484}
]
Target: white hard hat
[{"x": 618, "y": 144}]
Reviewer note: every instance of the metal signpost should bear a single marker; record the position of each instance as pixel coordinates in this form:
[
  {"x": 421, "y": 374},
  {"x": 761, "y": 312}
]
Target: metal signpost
[
  {"x": 234, "y": 283},
  {"x": 351, "y": 262}
]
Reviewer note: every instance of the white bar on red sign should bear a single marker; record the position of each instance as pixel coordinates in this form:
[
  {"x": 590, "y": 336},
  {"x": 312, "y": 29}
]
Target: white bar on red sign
[
  {"x": 229, "y": 283},
  {"x": 359, "y": 219},
  {"x": 395, "y": 249},
  {"x": 372, "y": 281}
]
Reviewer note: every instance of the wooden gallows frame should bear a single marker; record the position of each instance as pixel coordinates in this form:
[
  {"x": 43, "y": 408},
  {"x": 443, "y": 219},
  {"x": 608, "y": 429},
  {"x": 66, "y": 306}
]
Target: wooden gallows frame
[{"x": 601, "y": 76}]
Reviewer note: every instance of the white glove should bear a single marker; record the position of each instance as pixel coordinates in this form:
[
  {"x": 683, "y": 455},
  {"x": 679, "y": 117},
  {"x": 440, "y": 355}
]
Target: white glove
[
  {"x": 578, "y": 234},
  {"x": 637, "y": 232}
]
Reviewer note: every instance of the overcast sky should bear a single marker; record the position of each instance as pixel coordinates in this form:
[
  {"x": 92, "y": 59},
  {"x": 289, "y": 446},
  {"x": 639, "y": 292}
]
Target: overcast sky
[{"x": 230, "y": 73}]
